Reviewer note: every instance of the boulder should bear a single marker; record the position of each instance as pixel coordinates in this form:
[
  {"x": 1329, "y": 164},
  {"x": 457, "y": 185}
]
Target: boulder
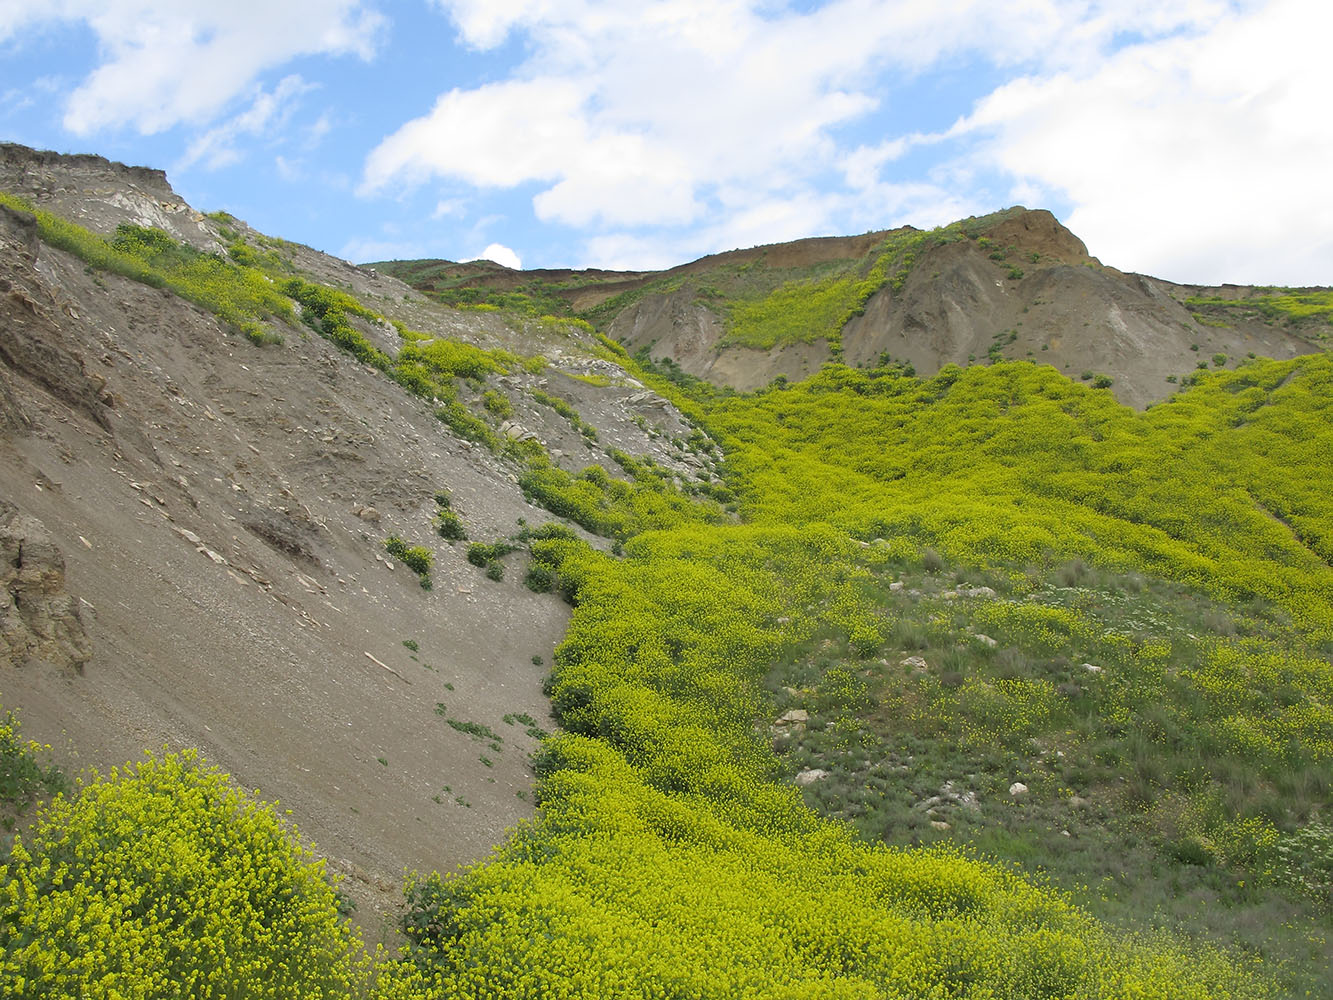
[{"x": 38, "y": 618}]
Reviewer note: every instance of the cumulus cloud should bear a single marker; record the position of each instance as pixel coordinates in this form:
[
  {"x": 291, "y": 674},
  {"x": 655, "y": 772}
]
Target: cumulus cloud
[
  {"x": 1201, "y": 157},
  {"x": 164, "y": 64},
  {"x": 728, "y": 117},
  {"x": 500, "y": 254}
]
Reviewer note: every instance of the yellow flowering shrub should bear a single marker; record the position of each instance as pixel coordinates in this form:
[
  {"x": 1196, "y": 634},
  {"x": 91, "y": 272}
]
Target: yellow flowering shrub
[{"x": 164, "y": 880}]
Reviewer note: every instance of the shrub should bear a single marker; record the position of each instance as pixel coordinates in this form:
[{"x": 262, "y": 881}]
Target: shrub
[
  {"x": 449, "y": 525},
  {"x": 417, "y": 558},
  {"x": 23, "y": 775},
  {"x": 165, "y": 880},
  {"x": 497, "y": 404},
  {"x": 539, "y": 579}
]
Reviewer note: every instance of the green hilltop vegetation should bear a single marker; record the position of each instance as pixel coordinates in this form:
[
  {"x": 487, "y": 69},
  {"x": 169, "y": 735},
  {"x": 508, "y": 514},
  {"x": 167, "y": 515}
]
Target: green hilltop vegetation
[{"x": 1122, "y": 708}]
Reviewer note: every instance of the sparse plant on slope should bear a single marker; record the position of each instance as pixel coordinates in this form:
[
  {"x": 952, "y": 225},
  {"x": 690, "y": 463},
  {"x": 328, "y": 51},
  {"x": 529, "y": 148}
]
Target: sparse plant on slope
[
  {"x": 417, "y": 558},
  {"x": 25, "y": 773},
  {"x": 241, "y": 296}
]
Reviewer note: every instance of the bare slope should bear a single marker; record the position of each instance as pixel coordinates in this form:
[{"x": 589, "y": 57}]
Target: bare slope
[
  {"x": 1021, "y": 286},
  {"x": 203, "y": 521}
]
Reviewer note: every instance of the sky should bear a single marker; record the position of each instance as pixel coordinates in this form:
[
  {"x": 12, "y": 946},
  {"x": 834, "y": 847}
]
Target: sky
[{"x": 1187, "y": 139}]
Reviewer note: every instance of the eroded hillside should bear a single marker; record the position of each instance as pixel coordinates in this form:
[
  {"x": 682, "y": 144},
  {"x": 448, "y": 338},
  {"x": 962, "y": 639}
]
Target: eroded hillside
[
  {"x": 1015, "y": 285},
  {"x": 204, "y": 520}
]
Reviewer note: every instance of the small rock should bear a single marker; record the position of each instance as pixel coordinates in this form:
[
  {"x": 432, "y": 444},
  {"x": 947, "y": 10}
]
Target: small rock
[
  {"x": 368, "y": 514},
  {"x": 985, "y": 640},
  {"x": 915, "y": 663},
  {"x": 976, "y": 592},
  {"x": 939, "y": 824},
  {"x": 1092, "y": 668},
  {"x": 1017, "y": 789},
  {"x": 795, "y": 715},
  {"x": 896, "y": 586},
  {"x": 810, "y": 775}
]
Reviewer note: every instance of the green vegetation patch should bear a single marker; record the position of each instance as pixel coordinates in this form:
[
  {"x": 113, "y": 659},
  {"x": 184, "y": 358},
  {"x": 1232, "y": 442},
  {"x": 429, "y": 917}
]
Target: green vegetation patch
[
  {"x": 1285, "y": 304},
  {"x": 26, "y": 774},
  {"x": 242, "y": 296}
]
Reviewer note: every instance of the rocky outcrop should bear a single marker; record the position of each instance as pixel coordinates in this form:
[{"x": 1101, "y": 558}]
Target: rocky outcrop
[
  {"x": 38, "y": 617},
  {"x": 33, "y": 343}
]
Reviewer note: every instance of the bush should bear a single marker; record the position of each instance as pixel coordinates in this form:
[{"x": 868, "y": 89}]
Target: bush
[
  {"x": 449, "y": 525},
  {"x": 165, "y": 880},
  {"x": 539, "y": 579},
  {"x": 417, "y": 558},
  {"x": 23, "y": 776},
  {"x": 497, "y": 404}
]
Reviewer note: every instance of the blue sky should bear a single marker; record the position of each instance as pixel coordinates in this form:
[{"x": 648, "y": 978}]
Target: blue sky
[{"x": 1182, "y": 138}]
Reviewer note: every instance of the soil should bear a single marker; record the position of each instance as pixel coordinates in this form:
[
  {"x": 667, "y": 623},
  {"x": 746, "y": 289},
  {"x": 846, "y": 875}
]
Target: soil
[{"x": 221, "y": 508}]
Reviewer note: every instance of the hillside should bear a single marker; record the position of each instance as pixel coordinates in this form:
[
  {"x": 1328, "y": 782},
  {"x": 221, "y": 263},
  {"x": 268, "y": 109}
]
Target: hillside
[
  {"x": 244, "y": 492},
  {"x": 1010, "y": 286},
  {"x": 909, "y": 678}
]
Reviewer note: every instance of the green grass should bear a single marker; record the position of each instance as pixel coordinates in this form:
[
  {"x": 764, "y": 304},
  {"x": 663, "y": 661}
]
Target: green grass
[{"x": 1137, "y": 802}]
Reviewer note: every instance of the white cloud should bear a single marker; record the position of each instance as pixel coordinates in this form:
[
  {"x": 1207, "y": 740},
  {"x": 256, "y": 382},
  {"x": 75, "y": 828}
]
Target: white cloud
[
  {"x": 289, "y": 170},
  {"x": 268, "y": 113},
  {"x": 500, "y": 254},
  {"x": 1202, "y": 157},
  {"x": 727, "y": 117},
  {"x": 447, "y": 208},
  {"x": 168, "y": 63}
]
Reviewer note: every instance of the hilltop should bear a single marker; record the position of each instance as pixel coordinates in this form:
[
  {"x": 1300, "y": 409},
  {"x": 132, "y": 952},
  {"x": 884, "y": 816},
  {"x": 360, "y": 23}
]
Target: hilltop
[
  {"x": 926, "y": 668},
  {"x": 1014, "y": 285}
]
